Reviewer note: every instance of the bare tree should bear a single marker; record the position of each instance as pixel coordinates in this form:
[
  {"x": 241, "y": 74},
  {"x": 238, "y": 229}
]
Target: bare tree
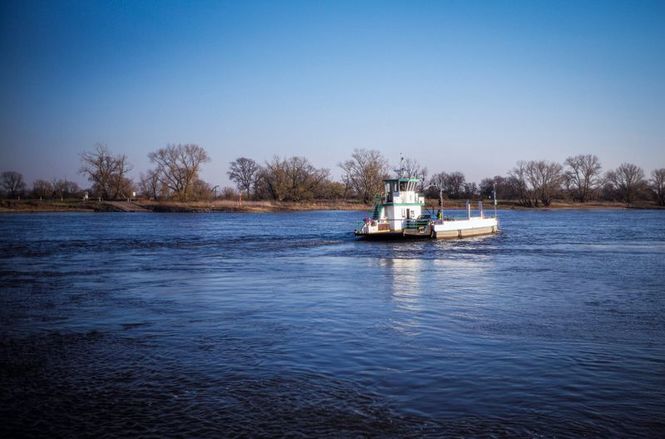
[
  {"x": 63, "y": 188},
  {"x": 243, "y": 172},
  {"x": 607, "y": 191},
  {"x": 545, "y": 179},
  {"x": 452, "y": 184},
  {"x": 178, "y": 167},
  {"x": 583, "y": 175},
  {"x": 628, "y": 180},
  {"x": 106, "y": 172},
  {"x": 292, "y": 179},
  {"x": 42, "y": 189},
  {"x": 658, "y": 185},
  {"x": 438, "y": 182},
  {"x": 518, "y": 183},
  {"x": 455, "y": 182},
  {"x": 331, "y": 190},
  {"x": 13, "y": 184},
  {"x": 365, "y": 172},
  {"x": 150, "y": 185},
  {"x": 503, "y": 185},
  {"x": 202, "y": 190},
  {"x": 470, "y": 190}
]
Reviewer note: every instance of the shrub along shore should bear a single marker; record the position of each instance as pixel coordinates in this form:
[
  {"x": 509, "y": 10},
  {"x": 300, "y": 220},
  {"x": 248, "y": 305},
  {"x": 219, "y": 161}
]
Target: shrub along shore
[{"x": 75, "y": 205}]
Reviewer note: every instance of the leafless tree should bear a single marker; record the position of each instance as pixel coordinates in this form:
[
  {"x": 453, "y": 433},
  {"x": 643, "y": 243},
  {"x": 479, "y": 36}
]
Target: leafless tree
[
  {"x": 365, "y": 172},
  {"x": 292, "y": 179},
  {"x": 470, "y": 190},
  {"x": 243, "y": 172},
  {"x": 201, "y": 190},
  {"x": 150, "y": 185},
  {"x": 331, "y": 190},
  {"x": 438, "y": 182},
  {"x": 63, "y": 188},
  {"x": 178, "y": 167},
  {"x": 13, "y": 184},
  {"x": 453, "y": 184},
  {"x": 545, "y": 179},
  {"x": 42, "y": 189},
  {"x": 503, "y": 185},
  {"x": 107, "y": 172},
  {"x": 658, "y": 185},
  {"x": 583, "y": 175},
  {"x": 518, "y": 183},
  {"x": 628, "y": 180}
]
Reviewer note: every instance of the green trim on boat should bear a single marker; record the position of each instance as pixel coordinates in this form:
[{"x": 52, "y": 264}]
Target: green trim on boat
[{"x": 402, "y": 179}]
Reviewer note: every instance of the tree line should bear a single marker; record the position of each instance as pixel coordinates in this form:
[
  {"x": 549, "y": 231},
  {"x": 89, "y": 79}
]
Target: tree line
[
  {"x": 580, "y": 178},
  {"x": 175, "y": 175}
]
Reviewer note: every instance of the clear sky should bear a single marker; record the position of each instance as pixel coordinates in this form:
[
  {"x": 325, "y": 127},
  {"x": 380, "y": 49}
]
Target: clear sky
[{"x": 458, "y": 85}]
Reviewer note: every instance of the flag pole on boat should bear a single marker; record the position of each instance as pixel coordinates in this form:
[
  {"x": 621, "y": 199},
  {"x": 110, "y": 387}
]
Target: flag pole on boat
[{"x": 494, "y": 196}]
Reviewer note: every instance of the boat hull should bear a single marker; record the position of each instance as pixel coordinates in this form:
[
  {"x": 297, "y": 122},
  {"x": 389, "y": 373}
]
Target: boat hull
[
  {"x": 465, "y": 228},
  {"x": 389, "y": 236},
  {"x": 449, "y": 229}
]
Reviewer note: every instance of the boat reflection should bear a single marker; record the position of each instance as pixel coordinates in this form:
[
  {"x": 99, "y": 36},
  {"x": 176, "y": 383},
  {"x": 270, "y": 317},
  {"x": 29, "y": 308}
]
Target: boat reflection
[
  {"x": 460, "y": 275},
  {"x": 406, "y": 292},
  {"x": 406, "y": 277}
]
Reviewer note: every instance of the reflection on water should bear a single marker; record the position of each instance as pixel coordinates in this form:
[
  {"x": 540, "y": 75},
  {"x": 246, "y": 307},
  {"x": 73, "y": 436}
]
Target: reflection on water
[
  {"x": 240, "y": 324},
  {"x": 406, "y": 275},
  {"x": 405, "y": 289}
]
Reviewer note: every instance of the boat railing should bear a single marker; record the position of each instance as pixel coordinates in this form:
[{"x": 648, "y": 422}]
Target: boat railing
[{"x": 416, "y": 223}]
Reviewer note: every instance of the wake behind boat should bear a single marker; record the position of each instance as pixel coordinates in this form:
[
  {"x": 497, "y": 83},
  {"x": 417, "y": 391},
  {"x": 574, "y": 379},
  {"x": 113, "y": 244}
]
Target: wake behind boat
[{"x": 399, "y": 214}]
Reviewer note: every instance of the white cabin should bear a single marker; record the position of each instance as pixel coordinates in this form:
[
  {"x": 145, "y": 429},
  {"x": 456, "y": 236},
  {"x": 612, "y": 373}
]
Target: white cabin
[{"x": 401, "y": 202}]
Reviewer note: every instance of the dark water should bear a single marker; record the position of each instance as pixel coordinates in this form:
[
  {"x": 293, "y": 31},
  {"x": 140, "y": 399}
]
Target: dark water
[{"x": 209, "y": 325}]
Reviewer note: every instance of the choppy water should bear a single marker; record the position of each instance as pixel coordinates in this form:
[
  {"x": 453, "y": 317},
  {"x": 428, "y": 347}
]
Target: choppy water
[{"x": 209, "y": 325}]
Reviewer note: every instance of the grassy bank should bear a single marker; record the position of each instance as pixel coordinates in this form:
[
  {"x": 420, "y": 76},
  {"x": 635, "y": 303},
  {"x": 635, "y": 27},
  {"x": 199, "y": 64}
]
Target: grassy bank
[{"x": 27, "y": 206}]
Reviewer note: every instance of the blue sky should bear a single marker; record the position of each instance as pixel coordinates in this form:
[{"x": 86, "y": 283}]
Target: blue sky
[{"x": 458, "y": 85}]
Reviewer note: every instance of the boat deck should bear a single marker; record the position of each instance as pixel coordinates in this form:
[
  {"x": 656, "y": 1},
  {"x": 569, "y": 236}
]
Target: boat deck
[{"x": 438, "y": 230}]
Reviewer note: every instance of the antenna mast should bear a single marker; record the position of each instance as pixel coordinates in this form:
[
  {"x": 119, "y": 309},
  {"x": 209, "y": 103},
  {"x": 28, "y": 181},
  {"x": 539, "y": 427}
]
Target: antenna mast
[
  {"x": 400, "y": 170},
  {"x": 494, "y": 196}
]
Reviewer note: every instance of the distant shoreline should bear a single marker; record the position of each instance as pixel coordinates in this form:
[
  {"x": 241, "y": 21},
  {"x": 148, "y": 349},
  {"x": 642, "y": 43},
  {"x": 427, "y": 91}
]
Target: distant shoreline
[{"x": 38, "y": 206}]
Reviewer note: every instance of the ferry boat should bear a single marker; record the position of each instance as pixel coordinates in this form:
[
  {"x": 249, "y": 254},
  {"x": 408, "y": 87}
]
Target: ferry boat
[{"x": 399, "y": 213}]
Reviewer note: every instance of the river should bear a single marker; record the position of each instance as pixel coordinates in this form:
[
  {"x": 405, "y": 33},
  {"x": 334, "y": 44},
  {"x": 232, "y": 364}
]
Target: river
[{"x": 210, "y": 325}]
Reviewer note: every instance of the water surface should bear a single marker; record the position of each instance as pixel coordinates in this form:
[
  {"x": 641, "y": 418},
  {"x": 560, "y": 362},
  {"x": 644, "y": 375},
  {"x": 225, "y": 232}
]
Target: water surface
[{"x": 206, "y": 325}]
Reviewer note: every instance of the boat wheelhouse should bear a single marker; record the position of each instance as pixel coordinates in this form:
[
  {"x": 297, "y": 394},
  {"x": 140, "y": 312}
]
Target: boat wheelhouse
[{"x": 399, "y": 213}]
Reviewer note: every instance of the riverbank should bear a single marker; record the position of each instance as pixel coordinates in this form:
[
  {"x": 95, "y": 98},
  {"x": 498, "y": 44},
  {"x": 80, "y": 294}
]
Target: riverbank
[{"x": 35, "y": 206}]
